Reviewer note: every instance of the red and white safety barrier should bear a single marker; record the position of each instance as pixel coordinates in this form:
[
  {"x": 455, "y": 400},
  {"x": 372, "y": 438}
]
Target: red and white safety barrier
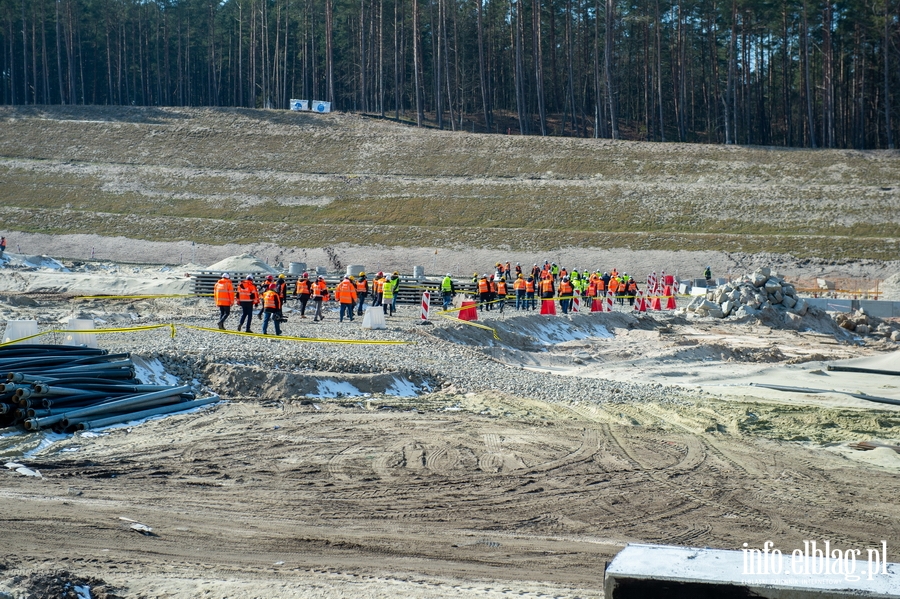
[
  {"x": 609, "y": 303},
  {"x": 640, "y": 303},
  {"x": 426, "y": 304},
  {"x": 576, "y": 300}
]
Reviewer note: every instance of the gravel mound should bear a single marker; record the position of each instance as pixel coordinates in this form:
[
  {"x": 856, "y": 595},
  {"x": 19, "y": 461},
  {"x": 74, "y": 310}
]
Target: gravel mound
[{"x": 242, "y": 263}]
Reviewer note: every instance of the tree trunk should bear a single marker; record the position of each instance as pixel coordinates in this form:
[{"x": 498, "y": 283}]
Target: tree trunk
[
  {"x": 420, "y": 109},
  {"x": 608, "y": 67},
  {"x": 538, "y": 63},
  {"x": 482, "y": 73}
]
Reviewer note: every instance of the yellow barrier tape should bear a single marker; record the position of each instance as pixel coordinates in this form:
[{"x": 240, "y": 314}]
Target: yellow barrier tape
[
  {"x": 89, "y": 331},
  {"x": 23, "y": 339},
  {"x": 473, "y": 324},
  {"x": 289, "y": 338}
]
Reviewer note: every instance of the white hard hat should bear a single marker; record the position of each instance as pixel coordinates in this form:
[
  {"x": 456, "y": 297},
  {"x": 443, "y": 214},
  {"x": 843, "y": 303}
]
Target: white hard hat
[
  {"x": 448, "y": 274},
  {"x": 225, "y": 275}
]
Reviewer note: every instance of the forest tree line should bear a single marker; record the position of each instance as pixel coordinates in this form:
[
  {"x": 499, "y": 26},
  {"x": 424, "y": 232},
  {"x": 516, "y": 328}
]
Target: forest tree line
[{"x": 769, "y": 72}]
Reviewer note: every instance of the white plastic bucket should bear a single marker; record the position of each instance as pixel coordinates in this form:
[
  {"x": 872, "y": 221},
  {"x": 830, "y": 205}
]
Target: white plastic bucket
[
  {"x": 19, "y": 329},
  {"x": 86, "y": 339}
]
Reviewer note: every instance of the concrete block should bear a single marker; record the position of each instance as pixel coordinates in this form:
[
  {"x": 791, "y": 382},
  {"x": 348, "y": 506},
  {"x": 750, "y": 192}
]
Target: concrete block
[{"x": 665, "y": 572}]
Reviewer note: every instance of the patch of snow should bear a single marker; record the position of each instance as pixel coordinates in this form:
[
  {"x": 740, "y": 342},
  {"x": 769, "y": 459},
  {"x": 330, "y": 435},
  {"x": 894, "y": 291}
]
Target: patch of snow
[
  {"x": 152, "y": 372},
  {"x": 328, "y": 388},
  {"x": 402, "y": 388}
]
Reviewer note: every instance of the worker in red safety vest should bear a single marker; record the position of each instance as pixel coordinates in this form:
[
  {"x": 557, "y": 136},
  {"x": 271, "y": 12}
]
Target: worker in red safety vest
[{"x": 223, "y": 293}]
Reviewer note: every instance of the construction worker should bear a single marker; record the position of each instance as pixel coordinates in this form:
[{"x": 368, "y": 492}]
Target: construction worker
[
  {"x": 484, "y": 291},
  {"x": 387, "y": 296},
  {"x": 492, "y": 292},
  {"x": 345, "y": 294},
  {"x": 529, "y": 292},
  {"x": 281, "y": 288},
  {"x": 519, "y": 288},
  {"x": 518, "y": 270},
  {"x": 501, "y": 293},
  {"x": 395, "y": 290},
  {"x": 547, "y": 289},
  {"x": 378, "y": 289},
  {"x": 248, "y": 297},
  {"x": 447, "y": 291},
  {"x": 554, "y": 271},
  {"x": 606, "y": 278},
  {"x": 303, "y": 291},
  {"x": 2, "y": 246},
  {"x": 319, "y": 295},
  {"x": 271, "y": 309},
  {"x": 362, "y": 291},
  {"x": 566, "y": 292},
  {"x": 612, "y": 287},
  {"x": 223, "y": 292},
  {"x": 707, "y": 274},
  {"x": 508, "y": 274},
  {"x": 536, "y": 272},
  {"x": 631, "y": 289}
]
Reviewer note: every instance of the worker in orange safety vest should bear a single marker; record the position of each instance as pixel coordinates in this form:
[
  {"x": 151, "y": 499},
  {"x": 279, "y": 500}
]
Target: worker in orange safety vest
[
  {"x": 345, "y": 294},
  {"x": 223, "y": 293},
  {"x": 248, "y": 297},
  {"x": 271, "y": 309}
]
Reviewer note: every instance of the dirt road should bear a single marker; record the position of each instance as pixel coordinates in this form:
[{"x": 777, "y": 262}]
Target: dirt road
[{"x": 425, "y": 498}]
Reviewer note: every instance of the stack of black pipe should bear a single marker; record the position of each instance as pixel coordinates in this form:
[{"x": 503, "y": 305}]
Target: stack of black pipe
[{"x": 65, "y": 388}]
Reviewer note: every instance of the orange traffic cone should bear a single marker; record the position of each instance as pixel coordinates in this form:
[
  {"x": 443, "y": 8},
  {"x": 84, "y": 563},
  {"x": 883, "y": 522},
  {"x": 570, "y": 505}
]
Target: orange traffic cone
[
  {"x": 597, "y": 305},
  {"x": 670, "y": 297}
]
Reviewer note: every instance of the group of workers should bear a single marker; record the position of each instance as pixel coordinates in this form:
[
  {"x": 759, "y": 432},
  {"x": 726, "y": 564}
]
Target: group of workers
[
  {"x": 351, "y": 293},
  {"x": 547, "y": 282}
]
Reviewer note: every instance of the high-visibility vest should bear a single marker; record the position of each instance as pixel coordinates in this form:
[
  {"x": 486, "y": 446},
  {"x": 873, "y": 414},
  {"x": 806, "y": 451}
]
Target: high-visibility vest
[
  {"x": 632, "y": 286},
  {"x": 492, "y": 286},
  {"x": 529, "y": 286},
  {"x": 501, "y": 288},
  {"x": 223, "y": 292},
  {"x": 613, "y": 285},
  {"x": 345, "y": 293},
  {"x": 563, "y": 272},
  {"x": 303, "y": 287},
  {"x": 388, "y": 289},
  {"x": 447, "y": 285},
  {"x": 547, "y": 286},
  {"x": 271, "y": 300},
  {"x": 319, "y": 289},
  {"x": 601, "y": 286},
  {"x": 362, "y": 286},
  {"x": 519, "y": 284},
  {"x": 483, "y": 286},
  {"x": 378, "y": 285},
  {"x": 247, "y": 292},
  {"x": 592, "y": 289},
  {"x": 565, "y": 289}
]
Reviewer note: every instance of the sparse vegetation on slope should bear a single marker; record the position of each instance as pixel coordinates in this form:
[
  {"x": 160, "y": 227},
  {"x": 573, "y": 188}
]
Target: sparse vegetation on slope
[{"x": 232, "y": 175}]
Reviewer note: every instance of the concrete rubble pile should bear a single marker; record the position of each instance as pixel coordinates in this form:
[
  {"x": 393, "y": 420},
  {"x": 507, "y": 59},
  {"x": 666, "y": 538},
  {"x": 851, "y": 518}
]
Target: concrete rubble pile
[
  {"x": 749, "y": 296},
  {"x": 864, "y": 324}
]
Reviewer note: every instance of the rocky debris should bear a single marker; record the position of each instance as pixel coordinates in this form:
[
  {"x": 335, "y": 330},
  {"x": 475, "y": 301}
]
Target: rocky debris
[
  {"x": 749, "y": 296},
  {"x": 864, "y": 324}
]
